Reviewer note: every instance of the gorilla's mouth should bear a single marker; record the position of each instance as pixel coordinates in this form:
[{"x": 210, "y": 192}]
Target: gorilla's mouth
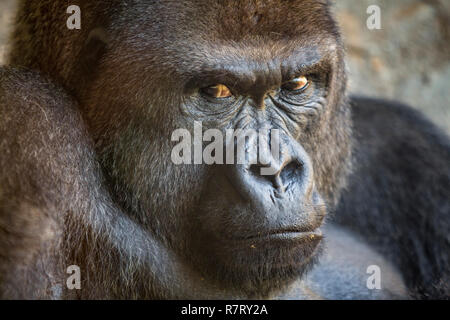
[
  {"x": 289, "y": 238},
  {"x": 282, "y": 247},
  {"x": 290, "y": 235}
]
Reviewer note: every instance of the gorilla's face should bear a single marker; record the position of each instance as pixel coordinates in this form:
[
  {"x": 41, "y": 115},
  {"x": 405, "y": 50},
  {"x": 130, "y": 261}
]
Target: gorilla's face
[{"x": 233, "y": 66}]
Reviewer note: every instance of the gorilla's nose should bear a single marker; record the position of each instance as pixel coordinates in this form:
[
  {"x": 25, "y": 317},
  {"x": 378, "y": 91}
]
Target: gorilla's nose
[
  {"x": 278, "y": 173},
  {"x": 275, "y": 180}
]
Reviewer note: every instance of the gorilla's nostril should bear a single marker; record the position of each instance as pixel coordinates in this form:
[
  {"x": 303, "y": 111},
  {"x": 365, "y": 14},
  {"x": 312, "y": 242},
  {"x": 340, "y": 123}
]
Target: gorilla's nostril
[
  {"x": 274, "y": 179},
  {"x": 289, "y": 172},
  {"x": 281, "y": 179}
]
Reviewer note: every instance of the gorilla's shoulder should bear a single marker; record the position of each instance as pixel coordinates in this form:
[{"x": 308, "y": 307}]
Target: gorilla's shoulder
[
  {"x": 32, "y": 102},
  {"x": 395, "y": 143},
  {"x": 41, "y": 130},
  {"x": 395, "y": 121},
  {"x": 401, "y": 177},
  {"x": 27, "y": 85}
]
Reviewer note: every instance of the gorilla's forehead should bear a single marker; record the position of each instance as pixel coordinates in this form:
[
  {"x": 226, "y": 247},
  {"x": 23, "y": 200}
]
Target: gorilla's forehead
[
  {"x": 232, "y": 19},
  {"x": 210, "y": 34}
]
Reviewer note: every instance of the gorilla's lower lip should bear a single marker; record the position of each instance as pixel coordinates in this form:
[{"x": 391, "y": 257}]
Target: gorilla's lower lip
[
  {"x": 287, "y": 236},
  {"x": 298, "y": 248},
  {"x": 293, "y": 236},
  {"x": 316, "y": 235}
]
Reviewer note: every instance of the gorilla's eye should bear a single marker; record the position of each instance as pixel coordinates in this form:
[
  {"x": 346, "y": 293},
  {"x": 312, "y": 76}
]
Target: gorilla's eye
[
  {"x": 298, "y": 84},
  {"x": 217, "y": 91}
]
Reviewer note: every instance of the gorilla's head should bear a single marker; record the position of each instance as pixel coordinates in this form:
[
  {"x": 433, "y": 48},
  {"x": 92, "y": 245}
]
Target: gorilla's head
[{"x": 230, "y": 65}]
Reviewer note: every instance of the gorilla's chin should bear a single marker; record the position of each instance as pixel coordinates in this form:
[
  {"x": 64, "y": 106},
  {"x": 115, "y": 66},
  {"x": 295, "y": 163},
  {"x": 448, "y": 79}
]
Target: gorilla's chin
[{"x": 259, "y": 266}]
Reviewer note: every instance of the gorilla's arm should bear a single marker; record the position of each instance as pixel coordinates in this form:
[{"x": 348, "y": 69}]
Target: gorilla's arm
[
  {"x": 52, "y": 198},
  {"x": 398, "y": 194}
]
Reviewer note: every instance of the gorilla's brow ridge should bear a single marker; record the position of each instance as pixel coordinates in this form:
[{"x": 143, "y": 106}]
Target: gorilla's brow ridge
[{"x": 242, "y": 72}]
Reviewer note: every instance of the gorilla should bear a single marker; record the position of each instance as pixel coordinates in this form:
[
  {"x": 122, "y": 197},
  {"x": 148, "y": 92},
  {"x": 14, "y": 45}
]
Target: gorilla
[{"x": 361, "y": 187}]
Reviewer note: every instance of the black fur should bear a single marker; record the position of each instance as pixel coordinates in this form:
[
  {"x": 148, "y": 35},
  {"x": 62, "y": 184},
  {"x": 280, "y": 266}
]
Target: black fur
[
  {"x": 398, "y": 195},
  {"x": 93, "y": 165}
]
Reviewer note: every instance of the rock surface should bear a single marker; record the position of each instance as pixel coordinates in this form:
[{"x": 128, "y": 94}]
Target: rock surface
[
  {"x": 7, "y": 8},
  {"x": 408, "y": 59}
]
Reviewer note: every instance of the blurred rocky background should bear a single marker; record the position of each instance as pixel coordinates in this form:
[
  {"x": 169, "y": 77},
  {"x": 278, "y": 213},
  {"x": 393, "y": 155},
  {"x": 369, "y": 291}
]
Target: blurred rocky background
[
  {"x": 408, "y": 59},
  {"x": 7, "y": 8}
]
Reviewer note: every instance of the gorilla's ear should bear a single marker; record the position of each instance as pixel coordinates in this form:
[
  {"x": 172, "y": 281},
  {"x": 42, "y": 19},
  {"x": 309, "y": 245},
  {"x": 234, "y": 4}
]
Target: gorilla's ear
[{"x": 94, "y": 48}]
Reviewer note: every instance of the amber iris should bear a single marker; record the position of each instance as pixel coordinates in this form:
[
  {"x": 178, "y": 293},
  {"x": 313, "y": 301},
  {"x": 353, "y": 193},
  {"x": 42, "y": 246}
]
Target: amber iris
[
  {"x": 217, "y": 91},
  {"x": 297, "y": 84}
]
